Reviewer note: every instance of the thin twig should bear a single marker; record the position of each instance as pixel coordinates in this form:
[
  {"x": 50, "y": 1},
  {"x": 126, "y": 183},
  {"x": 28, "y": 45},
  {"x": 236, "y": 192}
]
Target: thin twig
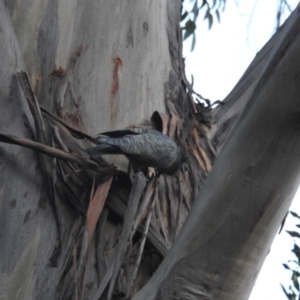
[
  {"x": 161, "y": 222},
  {"x": 142, "y": 245},
  {"x": 33, "y": 106},
  {"x": 144, "y": 205},
  {"x": 74, "y": 158}
]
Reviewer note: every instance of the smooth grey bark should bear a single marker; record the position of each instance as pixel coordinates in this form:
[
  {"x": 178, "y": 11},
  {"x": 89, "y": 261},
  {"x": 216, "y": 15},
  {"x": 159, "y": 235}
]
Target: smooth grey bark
[{"x": 26, "y": 218}]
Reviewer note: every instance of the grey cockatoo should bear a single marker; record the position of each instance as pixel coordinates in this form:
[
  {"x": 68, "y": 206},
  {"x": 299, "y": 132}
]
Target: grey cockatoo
[{"x": 144, "y": 147}]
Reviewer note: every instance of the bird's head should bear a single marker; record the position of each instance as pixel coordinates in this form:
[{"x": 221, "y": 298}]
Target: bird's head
[{"x": 175, "y": 165}]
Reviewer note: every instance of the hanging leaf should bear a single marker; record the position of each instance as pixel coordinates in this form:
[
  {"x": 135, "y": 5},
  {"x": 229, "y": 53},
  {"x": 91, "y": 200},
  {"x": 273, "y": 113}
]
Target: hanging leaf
[
  {"x": 195, "y": 11},
  {"x": 190, "y": 27},
  {"x": 224, "y": 4},
  {"x": 294, "y": 214},
  {"x": 209, "y": 17},
  {"x": 184, "y": 15},
  {"x": 293, "y": 233},
  {"x": 204, "y": 2},
  {"x": 195, "y": 7},
  {"x": 296, "y": 250},
  {"x": 218, "y": 15},
  {"x": 286, "y": 266}
]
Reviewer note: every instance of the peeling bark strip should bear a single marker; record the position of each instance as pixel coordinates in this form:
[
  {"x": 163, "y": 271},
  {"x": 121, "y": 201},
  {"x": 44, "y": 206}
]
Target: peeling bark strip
[
  {"x": 93, "y": 213},
  {"x": 117, "y": 64}
]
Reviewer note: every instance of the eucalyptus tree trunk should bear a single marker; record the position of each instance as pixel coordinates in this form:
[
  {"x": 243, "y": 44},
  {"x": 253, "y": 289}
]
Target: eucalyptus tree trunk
[{"x": 71, "y": 230}]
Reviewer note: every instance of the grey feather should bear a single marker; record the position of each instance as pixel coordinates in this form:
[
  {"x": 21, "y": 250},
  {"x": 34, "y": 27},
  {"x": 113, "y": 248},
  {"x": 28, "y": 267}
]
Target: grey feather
[{"x": 144, "y": 147}]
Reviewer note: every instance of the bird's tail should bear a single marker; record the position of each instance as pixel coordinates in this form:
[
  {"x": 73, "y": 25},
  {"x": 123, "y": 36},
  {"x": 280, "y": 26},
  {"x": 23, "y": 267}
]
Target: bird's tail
[{"x": 99, "y": 150}]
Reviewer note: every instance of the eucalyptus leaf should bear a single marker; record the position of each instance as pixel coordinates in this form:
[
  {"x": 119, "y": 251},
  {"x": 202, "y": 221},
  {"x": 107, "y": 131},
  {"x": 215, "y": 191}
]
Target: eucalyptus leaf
[
  {"x": 222, "y": 2},
  {"x": 195, "y": 11},
  {"x": 204, "y": 2},
  {"x": 286, "y": 266},
  {"x": 293, "y": 233},
  {"x": 296, "y": 251},
  {"x": 184, "y": 15},
  {"x": 294, "y": 214},
  {"x": 195, "y": 8},
  {"x": 190, "y": 27},
  {"x": 218, "y": 15},
  {"x": 209, "y": 17}
]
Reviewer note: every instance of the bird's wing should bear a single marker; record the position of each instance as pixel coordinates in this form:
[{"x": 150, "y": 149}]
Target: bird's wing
[
  {"x": 117, "y": 133},
  {"x": 127, "y": 131}
]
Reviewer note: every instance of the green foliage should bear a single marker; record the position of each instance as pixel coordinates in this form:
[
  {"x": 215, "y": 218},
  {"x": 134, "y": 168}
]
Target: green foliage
[
  {"x": 212, "y": 10},
  {"x": 293, "y": 292},
  {"x": 188, "y": 18}
]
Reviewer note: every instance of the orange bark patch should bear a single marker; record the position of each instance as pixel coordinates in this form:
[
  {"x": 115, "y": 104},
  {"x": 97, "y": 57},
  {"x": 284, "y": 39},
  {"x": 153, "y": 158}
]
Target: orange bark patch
[
  {"x": 58, "y": 72},
  {"x": 73, "y": 119},
  {"x": 199, "y": 153},
  {"x": 95, "y": 208},
  {"x": 115, "y": 76}
]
